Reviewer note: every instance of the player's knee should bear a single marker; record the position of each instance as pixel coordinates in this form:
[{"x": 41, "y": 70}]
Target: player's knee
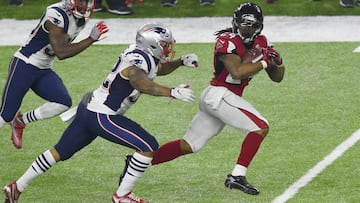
[
  {"x": 263, "y": 132},
  {"x": 67, "y": 101},
  {"x": 154, "y": 145}
]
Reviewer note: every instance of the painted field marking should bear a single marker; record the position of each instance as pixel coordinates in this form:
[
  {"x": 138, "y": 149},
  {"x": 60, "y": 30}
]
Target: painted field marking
[{"x": 312, "y": 173}]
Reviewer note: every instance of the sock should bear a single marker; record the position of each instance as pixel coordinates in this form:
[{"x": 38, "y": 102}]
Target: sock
[
  {"x": 47, "y": 110},
  {"x": 239, "y": 170},
  {"x": 2, "y": 122},
  {"x": 136, "y": 168},
  {"x": 249, "y": 148},
  {"x": 167, "y": 152},
  {"x": 42, "y": 164}
]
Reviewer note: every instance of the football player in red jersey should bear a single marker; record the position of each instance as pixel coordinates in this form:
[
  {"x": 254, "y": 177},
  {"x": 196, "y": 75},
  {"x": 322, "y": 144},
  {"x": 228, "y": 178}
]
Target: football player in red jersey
[{"x": 221, "y": 103}]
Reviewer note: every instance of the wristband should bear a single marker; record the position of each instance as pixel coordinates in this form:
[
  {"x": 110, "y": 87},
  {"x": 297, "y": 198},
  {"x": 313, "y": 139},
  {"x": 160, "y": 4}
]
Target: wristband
[{"x": 264, "y": 64}]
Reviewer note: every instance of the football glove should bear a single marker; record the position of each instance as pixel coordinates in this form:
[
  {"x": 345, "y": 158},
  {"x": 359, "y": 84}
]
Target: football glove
[
  {"x": 190, "y": 60},
  {"x": 183, "y": 93},
  {"x": 99, "y": 29},
  {"x": 275, "y": 56}
]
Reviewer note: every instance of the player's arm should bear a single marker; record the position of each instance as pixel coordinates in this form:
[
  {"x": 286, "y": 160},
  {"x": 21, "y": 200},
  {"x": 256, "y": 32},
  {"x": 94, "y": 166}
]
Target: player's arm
[
  {"x": 237, "y": 69},
  {"x": 276, "y": 69},
  {"x": 169, "y": 67},
  {"x": 140, "y": 81},
  {"x": 276, "y": 73},
  {"x": 60, "y": 43},
  {"x": 188, "y": 60}
]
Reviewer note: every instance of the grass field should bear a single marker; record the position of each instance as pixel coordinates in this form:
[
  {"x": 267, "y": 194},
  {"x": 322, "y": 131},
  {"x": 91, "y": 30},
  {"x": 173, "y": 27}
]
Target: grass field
[{"x": 311, "y": 112}]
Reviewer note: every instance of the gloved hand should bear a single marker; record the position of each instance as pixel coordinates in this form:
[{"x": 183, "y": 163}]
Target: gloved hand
[
  {"x": 190, "y": 60},
  {"x": 266, "y": 61},
  {"x": 99, "y": 29},
  {"x": 183, "y": 92},
  {"x": 275, "y": 56}
]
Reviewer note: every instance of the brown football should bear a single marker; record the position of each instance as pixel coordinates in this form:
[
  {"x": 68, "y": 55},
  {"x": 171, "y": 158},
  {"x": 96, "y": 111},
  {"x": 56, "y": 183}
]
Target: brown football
[{"x": 252, "y": 55}]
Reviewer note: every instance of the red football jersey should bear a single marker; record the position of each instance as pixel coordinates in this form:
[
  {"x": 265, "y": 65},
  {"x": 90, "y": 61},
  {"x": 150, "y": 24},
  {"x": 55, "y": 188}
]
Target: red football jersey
[{"x": 231, "y": 43}]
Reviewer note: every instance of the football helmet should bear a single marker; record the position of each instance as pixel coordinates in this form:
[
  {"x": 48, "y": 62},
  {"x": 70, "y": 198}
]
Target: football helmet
[
  {"x": 157, "y": 40},
  {"x": 80, "y": 8},
  {"x": 248, "y": 21}
]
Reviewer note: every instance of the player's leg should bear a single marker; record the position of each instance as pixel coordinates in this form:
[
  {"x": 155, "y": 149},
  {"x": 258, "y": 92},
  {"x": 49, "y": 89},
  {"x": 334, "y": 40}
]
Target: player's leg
[
  {"x": 201, "y": 129},
  {"x": 124, "y": 131},
  {"x": 20, "y": 79},
  {"x": 245, "y": 118},
  {"x": 51, "y": 88},
  {"x": 39, "y": 166},
  {"x": 75, "y": 137}
]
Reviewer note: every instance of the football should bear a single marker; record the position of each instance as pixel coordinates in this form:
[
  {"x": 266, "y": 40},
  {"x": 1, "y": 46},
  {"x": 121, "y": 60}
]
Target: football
[{"x": 253, "y": 55}]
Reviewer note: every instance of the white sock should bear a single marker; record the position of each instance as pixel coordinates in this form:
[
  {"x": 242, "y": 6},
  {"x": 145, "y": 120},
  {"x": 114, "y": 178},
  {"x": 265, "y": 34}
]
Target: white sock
[
  {"x": 136, "y": 168},
  {"x": 47, "y": 110},
  {"x": 239, "y": 170},
  {"x": 42, "y": 163},
  {"x": 2, "y": 122}
]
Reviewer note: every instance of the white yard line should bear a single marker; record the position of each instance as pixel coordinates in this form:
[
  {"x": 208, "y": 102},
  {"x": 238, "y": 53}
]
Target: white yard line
[{"x": 312, "y": 173}]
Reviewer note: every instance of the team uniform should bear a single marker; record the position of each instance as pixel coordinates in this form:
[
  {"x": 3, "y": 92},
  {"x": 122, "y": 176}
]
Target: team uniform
[
  {"x": 101, "y": 114},
  {"x": 221, "y": 103},
  {"x": 31, "y": 65}
]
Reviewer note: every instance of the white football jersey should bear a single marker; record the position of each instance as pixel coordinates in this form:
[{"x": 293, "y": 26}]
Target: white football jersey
[
  {"x": 116, "y": 95},
  {"x": 37, "y": 49}
]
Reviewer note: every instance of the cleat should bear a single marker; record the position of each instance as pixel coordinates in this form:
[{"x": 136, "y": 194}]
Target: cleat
[
  {"x": 17, "y": 126},
  {"x": 127, "y": 161},
  {"x": 127, "y": 198},
  {"x": 240, "y": 182},
  {"x": 11, "y": 193}
]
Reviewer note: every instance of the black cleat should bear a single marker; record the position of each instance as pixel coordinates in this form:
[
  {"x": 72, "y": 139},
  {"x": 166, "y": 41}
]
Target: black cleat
[
  {"x": 127, "y": 160},
  {"x": 240, "y": 182}
]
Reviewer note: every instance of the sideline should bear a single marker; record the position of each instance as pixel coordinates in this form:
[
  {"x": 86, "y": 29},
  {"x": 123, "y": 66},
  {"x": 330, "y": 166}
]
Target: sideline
[
  {"x": 201, "y": 30},
  {"x": 312, "y": 173}
]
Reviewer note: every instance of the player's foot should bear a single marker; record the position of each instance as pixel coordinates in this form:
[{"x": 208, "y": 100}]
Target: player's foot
[
  {"x": 127, "y": 161},
  {"x": 17, "y": 126},
  {"x": 240, "y": 182},
  {"x": 11, "y": 193},
  {"x": 127, "y": 198}
]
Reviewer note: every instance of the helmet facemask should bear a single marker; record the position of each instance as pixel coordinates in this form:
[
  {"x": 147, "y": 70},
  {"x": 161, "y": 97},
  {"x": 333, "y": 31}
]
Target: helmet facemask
[
  {"x": 81, "y": 8},
  {"x": 248, "y": 22},
  {"x": 167, "y": 50}
]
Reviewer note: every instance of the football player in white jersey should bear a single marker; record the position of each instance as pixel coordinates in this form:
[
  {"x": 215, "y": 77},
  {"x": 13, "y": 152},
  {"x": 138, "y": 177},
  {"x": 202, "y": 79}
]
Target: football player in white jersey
[
  {"x": 221, "y": 103},
  {"x": 101, "y": 112},
  {"x": 31, "y": 65}
]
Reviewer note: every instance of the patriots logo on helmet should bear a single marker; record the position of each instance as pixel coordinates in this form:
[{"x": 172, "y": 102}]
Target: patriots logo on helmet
[{"x": 159, "y": 30}]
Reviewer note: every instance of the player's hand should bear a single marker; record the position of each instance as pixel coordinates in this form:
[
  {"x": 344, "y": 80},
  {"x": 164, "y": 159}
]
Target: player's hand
[
  {"x": 275, "y": 56},
  {"x": 190, "y": 60},
  {"x": 266, "y": 59},
  {"x": 99, "y": 29},
  {"x": 183, "y": 93}
]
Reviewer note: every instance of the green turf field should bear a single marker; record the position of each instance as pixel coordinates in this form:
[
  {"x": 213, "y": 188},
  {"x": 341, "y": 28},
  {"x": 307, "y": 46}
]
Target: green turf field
[{"x": 312, "y": 111}]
